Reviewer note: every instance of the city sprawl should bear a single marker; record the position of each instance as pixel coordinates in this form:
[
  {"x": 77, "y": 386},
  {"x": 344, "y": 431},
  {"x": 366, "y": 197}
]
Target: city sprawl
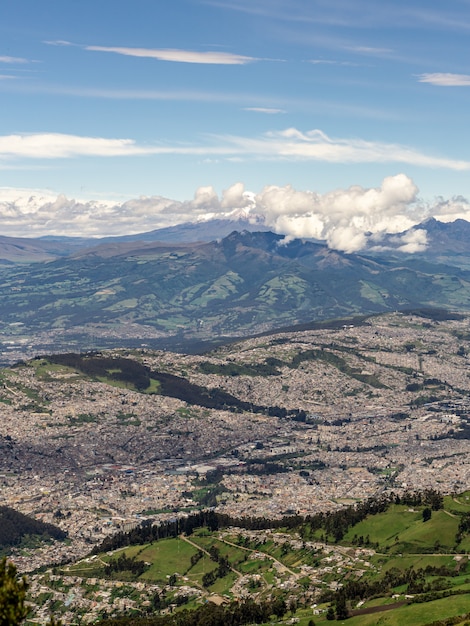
[{"x": 383, "y": 406}]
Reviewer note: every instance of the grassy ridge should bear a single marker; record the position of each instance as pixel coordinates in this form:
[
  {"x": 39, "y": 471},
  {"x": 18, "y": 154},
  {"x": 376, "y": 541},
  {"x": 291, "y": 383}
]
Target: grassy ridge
[
  {"x": 401, "y": 529},
  {"x": 416, "y": 573}
]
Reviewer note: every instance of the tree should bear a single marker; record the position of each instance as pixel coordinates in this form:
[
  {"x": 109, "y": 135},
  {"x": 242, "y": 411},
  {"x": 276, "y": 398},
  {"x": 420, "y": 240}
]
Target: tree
[
  {"x": 214, "y": 553},
  {"x": 279, "y": 607},
  {"x": 341, "y": 608},
  {"x": 427, "y": 514},
  {"x": 12, "y": 595}
]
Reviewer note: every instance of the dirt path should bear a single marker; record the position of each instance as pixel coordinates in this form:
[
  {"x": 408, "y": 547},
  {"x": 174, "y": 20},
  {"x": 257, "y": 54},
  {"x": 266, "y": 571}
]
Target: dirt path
[
  {"x": 280, "y": 564},
  {"x": 195, "y": 545},
  {"x": 376, "y": 609}
]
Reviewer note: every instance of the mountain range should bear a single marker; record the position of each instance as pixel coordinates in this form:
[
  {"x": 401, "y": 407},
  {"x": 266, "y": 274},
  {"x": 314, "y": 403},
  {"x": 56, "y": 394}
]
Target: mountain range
[{"x": 211, "y": 280}]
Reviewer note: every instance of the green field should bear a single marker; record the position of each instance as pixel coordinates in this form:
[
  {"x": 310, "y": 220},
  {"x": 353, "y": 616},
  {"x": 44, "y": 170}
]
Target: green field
[
  {"x": 458, "y": 504},
  {"x": 416, "y": 575},
  {"x": 402, "y": 529},
  {"x": 411, "y": 615}
]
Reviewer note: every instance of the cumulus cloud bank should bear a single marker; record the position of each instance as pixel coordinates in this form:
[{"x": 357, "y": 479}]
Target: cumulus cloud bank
[
  {"x": 346, "y": 219},
  {"x": 36, "y": 213}
]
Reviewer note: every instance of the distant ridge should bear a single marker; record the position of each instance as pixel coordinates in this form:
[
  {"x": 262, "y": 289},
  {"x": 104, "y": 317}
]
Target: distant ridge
[
  {"x": 50, "y": 247},
  {"x": 136, "y": 292},
  {"x": 447, "y": 242}
]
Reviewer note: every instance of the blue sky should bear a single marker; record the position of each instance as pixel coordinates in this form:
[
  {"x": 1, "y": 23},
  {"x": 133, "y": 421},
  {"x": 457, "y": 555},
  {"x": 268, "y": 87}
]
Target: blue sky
[{"x": 122, "y": 98}]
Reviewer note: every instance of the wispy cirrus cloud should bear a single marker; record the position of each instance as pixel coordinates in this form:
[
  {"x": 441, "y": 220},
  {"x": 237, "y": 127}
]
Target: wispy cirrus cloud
[
  {"x": 359, "y": 14},
  {"x": 370, "y": 50},
  {"x": 59, "y": 42},
  {"x": 59, "y": 146},
  {"x": 315, "y": 145},
  {"x": 238, "y": 98},
  {"x": 288, "y": 144},
  {"x": 14, "y": 60},
  {"x": 174, "y": 55},
  {"x": 445, "y": 79},
  {"x": 452, "y": 18},
  {"x": 267, "y": 110},
  {"x": 333, "y": 62}
]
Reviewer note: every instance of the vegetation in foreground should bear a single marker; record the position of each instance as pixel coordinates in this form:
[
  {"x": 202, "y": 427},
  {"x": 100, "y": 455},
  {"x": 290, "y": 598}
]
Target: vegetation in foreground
[{"x": 397, "y": 560}]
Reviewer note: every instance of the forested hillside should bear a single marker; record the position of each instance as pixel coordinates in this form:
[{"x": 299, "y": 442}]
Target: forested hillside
[{"x": 15, "y": 527}]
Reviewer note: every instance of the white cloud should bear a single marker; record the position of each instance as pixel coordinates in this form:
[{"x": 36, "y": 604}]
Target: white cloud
[
  {"x": 35, "y": 213},
  {"x": 452, "y": 209},
  {"x": 268, "y": 110},
  {"x": 446, "y": 80},
  {"x": 415, "y": 240},
  {"x": 315, "y": 145},
  {"x": 56, "y": 145},
  {"x": 235, "y": 197},
  {"x": 178, "y": 56},
  {"x": 344, "y": 218},
  {"x": 59, "y": 42},
  {"x": 206, "y": 197},
  {"x": 6, "y": 59},
  {"x": 289, "y": 144}
]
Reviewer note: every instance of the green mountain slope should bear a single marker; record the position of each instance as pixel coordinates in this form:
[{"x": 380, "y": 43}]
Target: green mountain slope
[{"x": 244, "y": 284}]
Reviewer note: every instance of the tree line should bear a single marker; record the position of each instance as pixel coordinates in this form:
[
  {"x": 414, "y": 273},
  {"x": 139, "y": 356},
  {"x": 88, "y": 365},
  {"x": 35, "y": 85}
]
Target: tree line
[
  {"x": 414, "y": 581},
  {"x": 335, "y": 524},
  {"x": 177, "y": 387},
  {"x": 125, "y": 564},
  {"x": 233, "y": 614}
]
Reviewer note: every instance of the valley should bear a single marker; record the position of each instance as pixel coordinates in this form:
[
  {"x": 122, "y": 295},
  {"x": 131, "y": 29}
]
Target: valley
[{"x": 288, "y": 424}]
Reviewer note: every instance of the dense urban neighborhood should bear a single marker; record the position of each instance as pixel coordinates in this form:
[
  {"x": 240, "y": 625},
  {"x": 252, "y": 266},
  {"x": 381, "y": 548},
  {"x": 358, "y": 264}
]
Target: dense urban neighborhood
[{"x": 330, "y": 417}]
